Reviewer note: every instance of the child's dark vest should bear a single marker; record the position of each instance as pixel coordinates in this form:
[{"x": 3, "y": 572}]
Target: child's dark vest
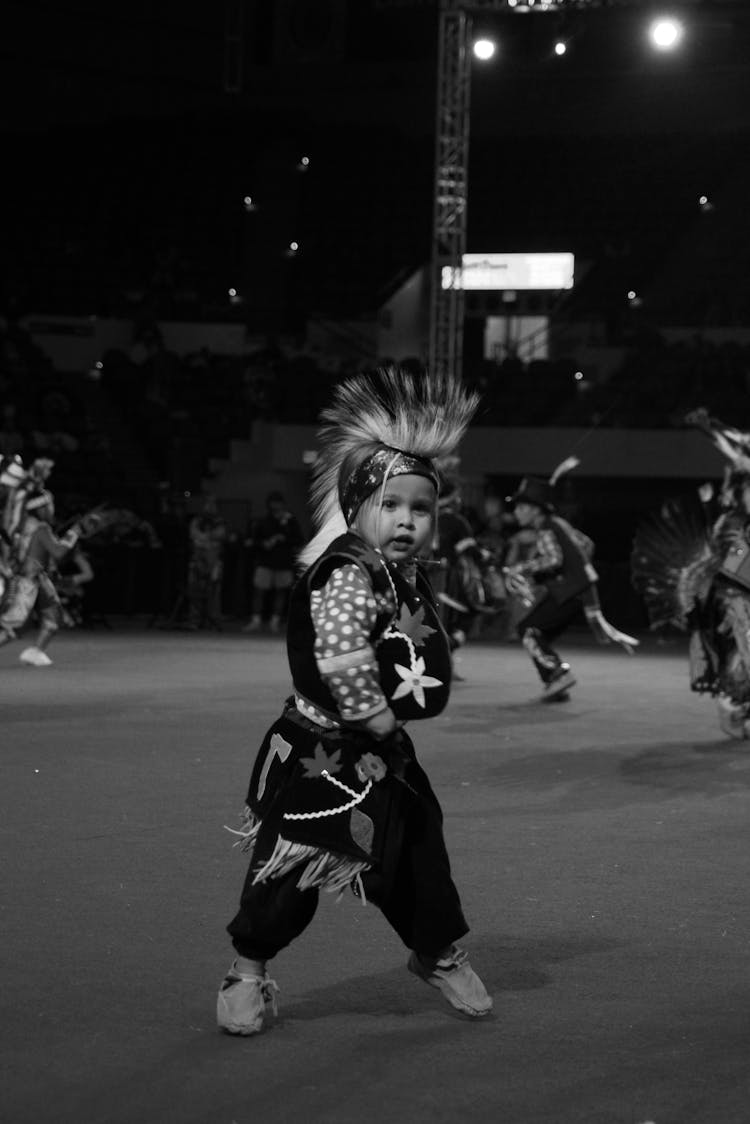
[{"x": 409, "y": 641}]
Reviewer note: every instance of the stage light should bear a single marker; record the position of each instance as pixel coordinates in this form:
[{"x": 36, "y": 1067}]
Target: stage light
[
  {"x": 232, "y": 292},
  {"x": 484, "y": 49},
  {"x": 248, "y": 203},
  {"x": 665, "y": 33},
  {"x": 304, "y": 164},
  {"x": 578, "y": 376},
  {"x": 560, "y": 48},
  {"x": 632, "y": 295}
]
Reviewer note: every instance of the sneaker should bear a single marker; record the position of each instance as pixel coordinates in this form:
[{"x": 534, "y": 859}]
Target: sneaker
[
  {"x": 35, "y": 657},
  {"x": 561, "y": 682},
  {"x": 241, "y": 1003},
  {"x": 274, "y": 625},
  {"x": 253, "y": 625},
  {"x": 457, "y": 980}
]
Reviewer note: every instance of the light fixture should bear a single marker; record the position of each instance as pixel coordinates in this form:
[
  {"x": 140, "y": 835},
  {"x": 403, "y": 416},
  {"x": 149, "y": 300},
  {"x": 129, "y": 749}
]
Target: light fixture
[
  {"x": 484, "y": 49},
  {"x": 665, "y": 33}
]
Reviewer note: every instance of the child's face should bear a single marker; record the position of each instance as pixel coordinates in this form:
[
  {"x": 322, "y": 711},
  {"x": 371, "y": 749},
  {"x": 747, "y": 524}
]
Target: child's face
[
  {"x": 526, "y": 513},
  {"x": 403, "y": 525}
]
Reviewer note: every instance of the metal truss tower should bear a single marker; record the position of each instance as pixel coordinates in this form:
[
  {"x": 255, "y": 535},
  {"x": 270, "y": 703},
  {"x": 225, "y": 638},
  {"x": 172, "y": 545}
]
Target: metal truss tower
[{"x": 450, "y": 187}]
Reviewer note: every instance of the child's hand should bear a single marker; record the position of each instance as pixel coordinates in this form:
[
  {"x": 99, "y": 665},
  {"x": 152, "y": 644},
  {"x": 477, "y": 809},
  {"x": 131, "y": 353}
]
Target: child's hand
[
  {"x": 382, "y": 724},
  {"x": 371, "y": 766}
]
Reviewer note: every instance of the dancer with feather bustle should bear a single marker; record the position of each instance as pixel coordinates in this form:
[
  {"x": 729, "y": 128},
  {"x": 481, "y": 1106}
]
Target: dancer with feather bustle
[
  {"x": 555, "y": 582},
  {"x": 691, "y": 564},
  {"x": 337, "y": 797}
]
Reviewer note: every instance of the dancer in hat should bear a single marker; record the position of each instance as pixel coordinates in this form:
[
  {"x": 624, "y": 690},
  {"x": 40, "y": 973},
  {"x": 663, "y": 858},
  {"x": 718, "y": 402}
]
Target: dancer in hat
[
  {"x": 556, "y": 582},
  {"x": 337, "y": 797},
  {"x": 691, "y": 564}
]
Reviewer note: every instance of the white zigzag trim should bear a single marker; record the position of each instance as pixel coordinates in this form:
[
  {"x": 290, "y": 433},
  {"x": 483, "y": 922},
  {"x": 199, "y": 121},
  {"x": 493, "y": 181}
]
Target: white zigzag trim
[{"x": 358, "y": 798}]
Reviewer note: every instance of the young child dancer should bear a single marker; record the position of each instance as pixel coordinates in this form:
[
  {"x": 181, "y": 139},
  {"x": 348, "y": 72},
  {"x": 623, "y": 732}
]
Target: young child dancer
[{"x": 337, "y": 796}]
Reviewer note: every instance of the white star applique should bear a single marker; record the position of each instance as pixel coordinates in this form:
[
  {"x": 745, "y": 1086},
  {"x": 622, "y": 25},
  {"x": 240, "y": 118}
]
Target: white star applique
[{"x": 414, "y": 681}]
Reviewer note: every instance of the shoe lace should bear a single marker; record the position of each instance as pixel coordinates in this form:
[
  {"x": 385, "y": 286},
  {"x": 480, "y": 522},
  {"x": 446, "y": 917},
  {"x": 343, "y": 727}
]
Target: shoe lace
[
  {"x": 457, "y": 959},
  {"x": 269, "y": 990},
  {"x": 268, "y": 987}
]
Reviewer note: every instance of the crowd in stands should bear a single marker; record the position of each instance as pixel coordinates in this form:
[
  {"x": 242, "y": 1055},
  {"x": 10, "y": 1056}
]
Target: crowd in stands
[
  {"x": 656, "y": 384},
  {"x": 45, "y": 414}
]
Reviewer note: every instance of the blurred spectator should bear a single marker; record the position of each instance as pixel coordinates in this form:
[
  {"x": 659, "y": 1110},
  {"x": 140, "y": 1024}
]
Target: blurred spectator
[
  {"x": 74, "y": 573},
  {"x": 276, "y": 539},
  {"x": 208, "y": 533},
  {"x": 11, "y": 438}
]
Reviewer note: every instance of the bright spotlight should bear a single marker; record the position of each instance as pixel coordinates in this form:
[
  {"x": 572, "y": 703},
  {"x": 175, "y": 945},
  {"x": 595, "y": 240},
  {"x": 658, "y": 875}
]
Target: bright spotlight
[
  {"x": 632, "y": 294},
  {"x": 484, "y": 49},
  {"x": 665, "y": 33},
  {"x": 560, "y": 48}
]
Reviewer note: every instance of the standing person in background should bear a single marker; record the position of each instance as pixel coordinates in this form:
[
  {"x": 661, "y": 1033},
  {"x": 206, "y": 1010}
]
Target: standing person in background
[
  {"x": 277, "y": 538},
  {"x": 469, "y": 583},
  {"x": 171, "y": 527},
  {"x": 455, "y": 540},
  {"x": 74, "y": 572},
  {"x": 208, "y": 534}
]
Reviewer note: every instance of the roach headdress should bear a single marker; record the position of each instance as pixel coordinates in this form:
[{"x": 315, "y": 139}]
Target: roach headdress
[
  {"x": 731, "y": 443},
  {"x": 387, "y": 424}
]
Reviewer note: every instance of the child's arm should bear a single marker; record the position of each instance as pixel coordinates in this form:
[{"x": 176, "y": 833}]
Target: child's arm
[{"x": 344, "y": 614}]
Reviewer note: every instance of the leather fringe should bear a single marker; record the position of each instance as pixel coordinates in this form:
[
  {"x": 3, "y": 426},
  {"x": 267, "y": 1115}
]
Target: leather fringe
[{"x": 323, "y": 870}]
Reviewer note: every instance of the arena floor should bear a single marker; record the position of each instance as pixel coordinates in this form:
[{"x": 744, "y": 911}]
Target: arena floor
[{"x": 601, "y": 847}]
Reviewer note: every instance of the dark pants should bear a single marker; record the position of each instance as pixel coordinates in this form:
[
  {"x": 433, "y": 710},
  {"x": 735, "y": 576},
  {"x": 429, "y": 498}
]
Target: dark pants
[
  {"x": 417, "y": 897},
  {"x": 543, "y": 624}
]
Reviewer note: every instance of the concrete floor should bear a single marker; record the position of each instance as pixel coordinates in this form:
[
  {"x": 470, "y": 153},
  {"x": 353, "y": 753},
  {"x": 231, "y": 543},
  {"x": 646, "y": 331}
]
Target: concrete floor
[{"x": 601, "y": 848}]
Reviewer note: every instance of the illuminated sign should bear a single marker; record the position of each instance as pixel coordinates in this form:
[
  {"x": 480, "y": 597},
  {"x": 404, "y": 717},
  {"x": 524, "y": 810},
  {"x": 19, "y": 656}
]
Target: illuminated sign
[{"x": 511, "y": 271}]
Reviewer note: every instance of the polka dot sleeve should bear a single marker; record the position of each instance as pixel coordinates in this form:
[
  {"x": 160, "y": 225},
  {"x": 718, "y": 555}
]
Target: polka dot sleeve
[{"x": 344, "y": 613}]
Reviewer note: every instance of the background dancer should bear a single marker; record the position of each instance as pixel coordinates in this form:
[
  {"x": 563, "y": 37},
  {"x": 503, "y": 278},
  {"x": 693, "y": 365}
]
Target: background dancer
[
  {"x": 35, "y": 550},
  {"x": 337, "y": 796},
  {"x": 555, "y": 583},
  {"x": 691, "y": 564}
]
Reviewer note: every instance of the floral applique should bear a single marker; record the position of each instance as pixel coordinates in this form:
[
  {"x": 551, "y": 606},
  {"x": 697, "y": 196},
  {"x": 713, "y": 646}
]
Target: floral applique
[{"x": 414, "y": 681}]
